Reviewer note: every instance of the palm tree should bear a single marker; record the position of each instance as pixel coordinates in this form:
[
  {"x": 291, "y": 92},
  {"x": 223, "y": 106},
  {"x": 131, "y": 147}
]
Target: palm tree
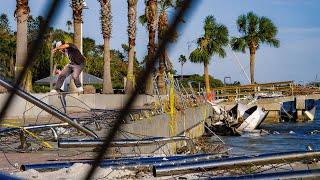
[
  {"x": 77, "y": 8},
  {"x": 214, "y": 40},
  {"x": 4, "y": 24},
  {"x": 106, "y": 26},
  {"x": 69, "y": 25},
  {"x": 255, "y": 31},
  {"x": 132, "y": 27},
  {"x": 151, "y": 16},
  {"x": 21, "y": 13},
  {"x": 182, "y": 60},
  {"x": 163, "y": 23}
]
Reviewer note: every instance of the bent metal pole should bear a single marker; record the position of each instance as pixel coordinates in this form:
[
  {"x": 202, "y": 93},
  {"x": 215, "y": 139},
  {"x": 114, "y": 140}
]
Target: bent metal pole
[
  {"x": 76, "y": 143},
  {"x": 193, "y": 167},
  {"x": 49, "y": 109}
]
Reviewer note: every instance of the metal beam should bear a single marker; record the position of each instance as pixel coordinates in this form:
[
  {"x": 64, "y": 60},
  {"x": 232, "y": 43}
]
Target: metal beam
[
  {"x": 62, "y": 143},
  {"x": 49, "y": 109},
  {"x": 261, "y": 159},
  {"x": 140, "y": 162},
  {"x": 303, "y": 174},
  {"x": 33, "y": 127}
]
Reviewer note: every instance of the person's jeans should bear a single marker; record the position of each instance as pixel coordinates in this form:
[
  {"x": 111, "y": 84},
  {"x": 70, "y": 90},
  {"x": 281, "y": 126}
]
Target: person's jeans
[{"x": 72, "y": 69}]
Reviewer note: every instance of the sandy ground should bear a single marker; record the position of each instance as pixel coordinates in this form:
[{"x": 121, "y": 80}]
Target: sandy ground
[
  {"x": 10, "y": 164},
  {"x": 78, "y": 171},
  {"x": 11, "y": 161}
]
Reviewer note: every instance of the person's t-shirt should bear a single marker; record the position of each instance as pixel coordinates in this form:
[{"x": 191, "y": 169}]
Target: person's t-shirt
[{"x": 75, "y": 55}]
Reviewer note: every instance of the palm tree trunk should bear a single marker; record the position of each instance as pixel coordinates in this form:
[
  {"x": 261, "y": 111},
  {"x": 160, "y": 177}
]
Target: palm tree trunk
[
  {"x": 206, "y": 77},
  {"x": 163, "y": 22},
  {"x": 132, "y": 16},
  {"x": 27, "y": 84},
  {"x": 181, "y": 72},
  {"x": 152, "y": 15},
  {"x": 130, "y": 76},
  {"x": 21, "y": 13},
  {"x": 252, "y": 58},
  {"x": 107, "y": 85},
  {"x": 77, "y": 41},
  {"x": 12, "y": 63},
  {"x": 77, "y": 36},
  {"x": 161, "y": 83}
]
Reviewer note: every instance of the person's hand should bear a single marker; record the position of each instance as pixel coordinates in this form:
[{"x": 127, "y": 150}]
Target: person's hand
[{"x": 53, "y": 50}]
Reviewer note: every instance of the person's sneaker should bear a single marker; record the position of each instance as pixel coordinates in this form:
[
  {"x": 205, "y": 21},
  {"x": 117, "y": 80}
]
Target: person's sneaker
[
  {"x": 80, "y": 89},
  {"x": 53, "y": 91},
  {"x": 57, "y": 91}
]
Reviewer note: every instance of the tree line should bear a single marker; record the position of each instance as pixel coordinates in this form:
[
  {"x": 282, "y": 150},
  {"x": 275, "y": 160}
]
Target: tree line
[
  {"x": 41, "y": 69},
  {"x": 113, "y": 65}
]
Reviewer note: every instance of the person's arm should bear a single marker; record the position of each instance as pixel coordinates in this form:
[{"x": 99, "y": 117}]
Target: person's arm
[{"x": 63, "y": 46}]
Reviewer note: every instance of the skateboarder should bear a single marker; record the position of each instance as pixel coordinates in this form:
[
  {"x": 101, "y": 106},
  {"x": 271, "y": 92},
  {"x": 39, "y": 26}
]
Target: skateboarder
[{"x": 75, "y": 67}]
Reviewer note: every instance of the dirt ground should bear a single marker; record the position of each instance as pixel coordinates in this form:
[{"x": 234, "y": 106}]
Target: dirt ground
[{"x": 11, "y": 161}]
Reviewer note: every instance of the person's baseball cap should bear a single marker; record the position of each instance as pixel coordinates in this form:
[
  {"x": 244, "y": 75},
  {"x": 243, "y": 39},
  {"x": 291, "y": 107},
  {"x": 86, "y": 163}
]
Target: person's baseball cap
[{"x": 59, "y": 43}]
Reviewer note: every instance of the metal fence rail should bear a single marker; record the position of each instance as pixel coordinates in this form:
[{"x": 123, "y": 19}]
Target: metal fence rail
[{"x": 286, "y": 87}]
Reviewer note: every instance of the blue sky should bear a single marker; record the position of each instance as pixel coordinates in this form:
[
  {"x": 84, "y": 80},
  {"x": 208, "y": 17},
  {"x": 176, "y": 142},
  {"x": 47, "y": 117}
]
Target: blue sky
[{"x": 298, "y": 22}]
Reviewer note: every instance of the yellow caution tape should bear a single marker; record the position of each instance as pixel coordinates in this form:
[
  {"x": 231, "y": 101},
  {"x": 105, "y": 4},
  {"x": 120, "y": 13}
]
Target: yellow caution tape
[
  {"x": 11, "y": 121},
  {"x": 45, "y": 143},
  {"x": 131, "y": 77},
  {"x": 172, "y": 107}
]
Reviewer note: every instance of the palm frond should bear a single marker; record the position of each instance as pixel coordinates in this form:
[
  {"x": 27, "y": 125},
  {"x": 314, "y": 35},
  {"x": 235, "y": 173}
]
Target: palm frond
[
  {"x": 267, "y": 30},
  {"x": 255, "y": 30},
  {"x": 212, "y": 43},
  {"x": 165, "y": 4},
  {"x": 143, "y": 20},
  {"x": 221, "y": 35},
  {"x": 199, "y": 56},
  {"x": 253, "y": 22},
  {"x": 182, "y": 59},
  {"x": 273, "y": 42},
  {"x": 242, "y": 24},
  {"x": 218, "y": 50},
  {"x": 238, "y": 44},
  {"x": 209, "y": 25}
]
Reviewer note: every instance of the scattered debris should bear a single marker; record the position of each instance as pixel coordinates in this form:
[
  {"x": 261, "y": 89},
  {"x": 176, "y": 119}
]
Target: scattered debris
[{"x": 238, "y": 119}]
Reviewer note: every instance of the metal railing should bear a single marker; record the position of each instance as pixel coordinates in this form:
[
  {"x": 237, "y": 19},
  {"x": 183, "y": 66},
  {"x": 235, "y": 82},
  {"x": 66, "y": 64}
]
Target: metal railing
[{"x": 229, "y": 92}]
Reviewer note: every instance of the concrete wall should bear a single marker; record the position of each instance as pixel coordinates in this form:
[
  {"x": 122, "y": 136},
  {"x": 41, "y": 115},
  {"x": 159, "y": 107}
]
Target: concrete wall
[
  {"x": 189, "y": 123},
  {"x": 75, "y": 103}
]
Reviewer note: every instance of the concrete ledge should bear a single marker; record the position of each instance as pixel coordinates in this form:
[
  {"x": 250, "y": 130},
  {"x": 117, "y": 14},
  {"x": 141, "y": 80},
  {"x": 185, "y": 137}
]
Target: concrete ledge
[
  {"x": 75, "y": 103},
  {"x": 189, "y": 123}
]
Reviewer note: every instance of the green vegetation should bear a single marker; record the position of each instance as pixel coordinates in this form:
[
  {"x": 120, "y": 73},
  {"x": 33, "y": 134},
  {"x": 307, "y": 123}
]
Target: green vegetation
[
  {"x": 113, "y": 65},
  {"x": 7, "y": 48},
  {"x": 40, "y": 69},
  {"x": 196, "y": 79},
  {"x": 182, "y": 61}
]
